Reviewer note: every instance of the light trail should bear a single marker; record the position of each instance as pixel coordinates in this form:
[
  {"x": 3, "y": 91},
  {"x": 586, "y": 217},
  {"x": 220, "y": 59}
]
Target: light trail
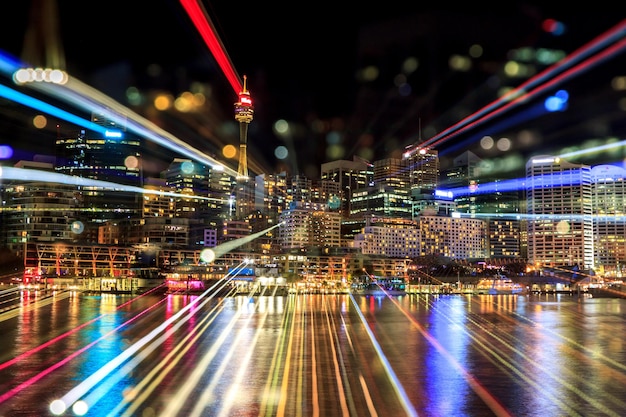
[
  {"x": 82, "y": 389},
  {"x": 24, "y": 174},
  {"x": 203, "y": 24},
  {"x": 573, "y": 65},
  {"x": 37, "y": 104},
  {"x": 29, "y": 382},
  {"x": 271, "y": 393},
  {"x": 80, "y": 95},
  {"x": 397, "y": 386},
  {"x": 141, "y": 391}
]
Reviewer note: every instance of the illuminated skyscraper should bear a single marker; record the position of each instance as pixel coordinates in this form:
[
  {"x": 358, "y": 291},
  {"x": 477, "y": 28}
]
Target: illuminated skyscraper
[{"x": 559, "y": 203}]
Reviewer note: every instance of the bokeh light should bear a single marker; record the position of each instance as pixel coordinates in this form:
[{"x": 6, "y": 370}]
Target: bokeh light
[
  {"x": 229, "y": 151},
  {"x": 6, "y": 152},
  {"x": 40, "y": 121},
  {"x": 281, "y": 152},
  {"x": 131, "y": 162}
]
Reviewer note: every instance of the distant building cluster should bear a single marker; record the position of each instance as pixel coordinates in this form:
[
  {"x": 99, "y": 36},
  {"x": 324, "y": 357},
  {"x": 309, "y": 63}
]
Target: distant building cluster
[{"x": 558, "y": 214}]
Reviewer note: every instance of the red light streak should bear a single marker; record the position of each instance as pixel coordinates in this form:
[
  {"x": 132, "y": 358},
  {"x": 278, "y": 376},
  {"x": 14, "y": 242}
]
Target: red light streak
[
  {"x": 202, "y": 22},
  {"x": 10, "y": 393},
  {"x": 521, "y": 94}
]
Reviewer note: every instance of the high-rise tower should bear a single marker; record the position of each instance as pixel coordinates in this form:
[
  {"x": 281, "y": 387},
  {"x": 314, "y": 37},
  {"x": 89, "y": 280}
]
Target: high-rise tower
[
  {"x": 245, "y": 188},
  {"x": 243, "y": 114}
]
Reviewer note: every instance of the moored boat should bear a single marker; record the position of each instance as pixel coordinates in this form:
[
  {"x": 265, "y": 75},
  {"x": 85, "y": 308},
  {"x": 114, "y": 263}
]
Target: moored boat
[
  {"x": 499, "y": 284},
  {"x": 375, "y": 285}
]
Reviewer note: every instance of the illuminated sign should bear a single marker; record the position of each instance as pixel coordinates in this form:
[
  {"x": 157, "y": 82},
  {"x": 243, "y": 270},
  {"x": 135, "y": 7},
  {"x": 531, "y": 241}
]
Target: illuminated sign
[
  {"x": 444, "y": 194},
  {"x": 113, "y": 134}
]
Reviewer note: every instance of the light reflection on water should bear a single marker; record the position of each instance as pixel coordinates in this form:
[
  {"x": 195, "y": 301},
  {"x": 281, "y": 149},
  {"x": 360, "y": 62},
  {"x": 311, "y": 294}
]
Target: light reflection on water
[{"x": 452, "y": 355}]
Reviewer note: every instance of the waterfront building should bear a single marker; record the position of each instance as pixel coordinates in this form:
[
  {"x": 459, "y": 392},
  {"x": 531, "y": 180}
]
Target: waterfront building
[
  {"x": 609, "y": 226},
  {"x": 560, "y": 210},
  {"x": 38, "y": 211},
  {"x": 309, "y": 225},
  {"x": 479, "y": 191},
  {"x": 393, "y": 237},
  {"x": 452, "y": 237}
]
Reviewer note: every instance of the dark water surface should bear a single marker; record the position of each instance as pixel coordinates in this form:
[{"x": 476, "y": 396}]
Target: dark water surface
[{"x": 313, "y": 355}]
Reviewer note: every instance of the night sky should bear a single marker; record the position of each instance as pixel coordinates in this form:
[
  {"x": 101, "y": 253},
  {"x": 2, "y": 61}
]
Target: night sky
[{"x": 306, "y": 64}]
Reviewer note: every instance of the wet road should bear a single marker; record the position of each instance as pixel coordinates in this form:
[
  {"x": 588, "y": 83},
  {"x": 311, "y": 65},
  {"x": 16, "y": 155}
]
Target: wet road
[{"x": 312, "y": 355}]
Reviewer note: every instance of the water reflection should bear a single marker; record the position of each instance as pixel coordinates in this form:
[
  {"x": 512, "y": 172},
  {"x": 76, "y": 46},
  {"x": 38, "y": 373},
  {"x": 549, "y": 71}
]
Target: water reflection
[{"x": 427, "y": 355}]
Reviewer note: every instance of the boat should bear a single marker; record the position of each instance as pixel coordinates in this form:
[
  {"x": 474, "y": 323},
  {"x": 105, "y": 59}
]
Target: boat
[
  {"x": 375, "y": 285},
  {"x": 500, "y": 284}
]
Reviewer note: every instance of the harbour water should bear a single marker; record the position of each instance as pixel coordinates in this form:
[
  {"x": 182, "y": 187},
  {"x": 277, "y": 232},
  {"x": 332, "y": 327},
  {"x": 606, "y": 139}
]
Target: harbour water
[{"x": 313, "y": 354}]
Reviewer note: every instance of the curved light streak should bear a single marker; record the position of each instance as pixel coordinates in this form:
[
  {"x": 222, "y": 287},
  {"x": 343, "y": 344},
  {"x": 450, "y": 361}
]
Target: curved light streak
[
  {"x": 81, "y": 95},
  {"x": 574, "y": 64},
  {"x": 23, "y": 174}
]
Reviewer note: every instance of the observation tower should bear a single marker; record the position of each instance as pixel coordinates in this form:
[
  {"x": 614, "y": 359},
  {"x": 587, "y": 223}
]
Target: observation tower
[
  {"x": 244, "y": 112},
  {"x": 244, "y": 196}
]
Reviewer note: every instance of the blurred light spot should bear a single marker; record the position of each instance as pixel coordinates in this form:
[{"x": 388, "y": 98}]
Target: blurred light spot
[
  {"x": 185, "y": 102},
  {"x": 622, "y": 103},
  {"x": 163, "y": 102},
  {"x": 399, "y": 79},
  {"x": 512, "y": 69},
  {"x": 619, "y": 83},
  {"x": 229, "y": 151},
  {"x": 548, "y": 57},
  {"x": 410, "y": 65},
  {"x": 335, "y": 152},
  {"x": 154, "y": 70},
  {"x": 562, "y": 227},
  {"x": 460, "y": 63},
  {"x": 77, "y": 227},
  {"x": 57, "y": 407},
  {"x": 47, "y": 75},
  {"x": 486, "y": 142},
  {"x": 281, "y": 127},
  {"x": 366, "y": 153},
  {"x": 131, "y": 162},
  {"x": 199, "y": 99},
  {"x": 207, "y": 255},
  {"x": 40, "y": 121},
  {"x": 133, "y": 96},
  {"x": 553, "y": 26},
  {"x": 281, "y": 152},
  {"x": 187, "y": 167},
  {"x": 366, "y": 139},
  {"x": 333, "y": 138},
  {"x": 557, "y": 102},
  {"x": 503, "y": 144},
  {"x": 5, "y": 152},
  {"x": 80, "y": 408},
  {"x": 405, "y": 90},
  {"x": 369, "y": 73},
  {"x": 527, "y": 138},
  {"x": 318, "y": 126},
  {"x": 476, "y": 51}
]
